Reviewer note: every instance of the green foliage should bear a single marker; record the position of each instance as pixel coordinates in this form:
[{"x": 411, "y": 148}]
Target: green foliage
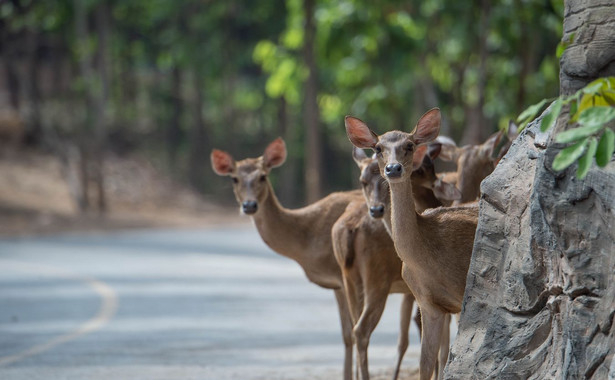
[
  {"x": 593, "y": 109},
  {"x": 384, "y": 61}
]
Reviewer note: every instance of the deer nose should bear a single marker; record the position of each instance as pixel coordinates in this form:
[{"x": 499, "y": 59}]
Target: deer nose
[
  {"x": 376, "y": 211},
  {"x": 393, "y": 170},
  {"x": 249, "y": 207}
]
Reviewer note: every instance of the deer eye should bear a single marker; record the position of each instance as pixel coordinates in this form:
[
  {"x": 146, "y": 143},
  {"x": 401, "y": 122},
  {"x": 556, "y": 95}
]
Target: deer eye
[
  {"x": 410, "y": 147},
  {"x": 263, "y": 178},
  {"x": 235, "y": 180},
  {"x": 378, "y": 149}
]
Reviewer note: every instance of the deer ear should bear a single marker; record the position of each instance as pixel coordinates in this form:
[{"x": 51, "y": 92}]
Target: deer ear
[
  {"x": 428, "y": 127},
  {"x": 275, "y": 154},
  {"x": 358, "y": 155},
  {"x": 222, "y": 162},
  {"x": 513, "y": 130},
  {"x": 488, "y": 147},
  {"x": 359, "y": 133},
  {"x": 434, "y": 150},
  {"x": 446, "y": 191},
  {"x": 418, "y": 156}
]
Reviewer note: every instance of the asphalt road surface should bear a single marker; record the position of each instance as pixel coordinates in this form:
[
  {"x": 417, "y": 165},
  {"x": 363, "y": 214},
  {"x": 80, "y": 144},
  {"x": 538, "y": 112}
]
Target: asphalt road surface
[{"x": 172, "y": 304}]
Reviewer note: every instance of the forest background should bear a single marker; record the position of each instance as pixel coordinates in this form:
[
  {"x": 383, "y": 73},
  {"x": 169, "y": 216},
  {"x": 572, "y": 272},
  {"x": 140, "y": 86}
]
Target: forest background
[{"x": 170, "y": 80}]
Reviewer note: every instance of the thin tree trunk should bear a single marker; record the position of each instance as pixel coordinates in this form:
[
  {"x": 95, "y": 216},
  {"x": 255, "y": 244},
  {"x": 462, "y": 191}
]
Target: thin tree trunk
[
  {"x": 311, "y": 114},
  {"x": 288, "y": 182},
  {"x": 476, "y": 126},
  {"x": 102, "y": 100},
  {"x": 200, "y": 142},
  {"x": 34, "y": 130},
  {"x": 85, "y": 71},
  {"x": 174, "y": 133}
]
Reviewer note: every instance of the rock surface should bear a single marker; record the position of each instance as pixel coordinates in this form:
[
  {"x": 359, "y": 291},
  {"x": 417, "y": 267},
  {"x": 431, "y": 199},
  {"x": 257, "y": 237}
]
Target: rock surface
[{"x": 540, "y": 295}]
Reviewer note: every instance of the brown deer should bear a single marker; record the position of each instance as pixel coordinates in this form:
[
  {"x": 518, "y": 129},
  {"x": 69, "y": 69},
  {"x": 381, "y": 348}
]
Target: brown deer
[
  {"x": 365, "y": 252},
  {"x": 435, "y": 246},
  {"x": 475, "y": 162},
  {"x": 303, "y": 235}
]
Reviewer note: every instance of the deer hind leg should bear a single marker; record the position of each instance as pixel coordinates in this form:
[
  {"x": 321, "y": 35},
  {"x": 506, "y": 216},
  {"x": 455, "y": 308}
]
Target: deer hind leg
[
  {"x": 404, "y": 327},
  {"x": 346, "y": 321},
  {"x": 444, "y": 345},
  {"x": 432, "y": 321}
]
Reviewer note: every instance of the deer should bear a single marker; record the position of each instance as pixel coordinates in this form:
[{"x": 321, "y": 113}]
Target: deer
[
  {"x": 474, "y": 162},
  {"x": 303, "y": 234},
  {"x": 435, "y": 246},
  {"x": 365, "y": 252}
]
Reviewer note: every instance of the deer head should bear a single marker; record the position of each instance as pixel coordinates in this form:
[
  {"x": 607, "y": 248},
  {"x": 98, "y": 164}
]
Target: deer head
[
  {"x": 375, "y": 188},
  {"x": 395, "y": 149},
  {"x": 250, "y": 176}
]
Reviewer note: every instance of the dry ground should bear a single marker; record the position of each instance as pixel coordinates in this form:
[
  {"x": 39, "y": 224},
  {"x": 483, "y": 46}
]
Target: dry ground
[{"x": 34, "y": 198}]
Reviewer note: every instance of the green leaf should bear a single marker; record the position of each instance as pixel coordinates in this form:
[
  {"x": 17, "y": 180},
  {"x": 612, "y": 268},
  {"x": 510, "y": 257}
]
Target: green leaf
[
  {"x": 569, "y": 155},
  {"x": 594, "y": 86},
  {"x": 574, "y": 106},
  {"x": 530, "y": 112},
  {"x": 596, "y": 116},
  {"x": 563, "y": 45},
  {"x": 549, "y": 119},
  {"x": 606, "y": 147},
  {"x": 577, "y": 133},
  {"x": 585, "y": 162}
]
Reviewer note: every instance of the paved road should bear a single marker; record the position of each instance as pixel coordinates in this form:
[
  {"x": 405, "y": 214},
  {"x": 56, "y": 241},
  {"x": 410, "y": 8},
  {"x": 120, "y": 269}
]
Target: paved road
[{"x": 189, "y": 304}]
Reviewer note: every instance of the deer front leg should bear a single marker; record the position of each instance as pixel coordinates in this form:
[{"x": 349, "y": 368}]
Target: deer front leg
[
  {"x": 346, "y": 321},
  {"x": 444, "y": 345},
  {"x": 373, "y": 306},
  {"x": 432, "y": 321},
  {"x": 404, "y": 327}
]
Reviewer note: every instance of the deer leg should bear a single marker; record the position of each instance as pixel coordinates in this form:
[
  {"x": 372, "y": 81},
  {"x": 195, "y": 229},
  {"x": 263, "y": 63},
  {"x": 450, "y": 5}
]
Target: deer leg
[
  {"x": 355, "y": 305},
  {"x": 346, "y": 321},
  {"x": 432, "y": 321},
  {"x": 444, "y": 345},
  {"x": 372, "y": 311},
  {"x": 404, "y": 327}
]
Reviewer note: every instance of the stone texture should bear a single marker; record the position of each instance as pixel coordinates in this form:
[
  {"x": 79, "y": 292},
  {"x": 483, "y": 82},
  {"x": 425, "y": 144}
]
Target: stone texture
[
  {"x": 540, "y": 295},
  {"x": 592, "y": 52}
]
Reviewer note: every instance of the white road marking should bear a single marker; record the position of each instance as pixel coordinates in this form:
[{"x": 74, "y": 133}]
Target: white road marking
[{"x": 108, "y": 306}]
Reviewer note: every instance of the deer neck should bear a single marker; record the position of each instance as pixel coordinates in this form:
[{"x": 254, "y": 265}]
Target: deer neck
[
  {"x": 278, "y": 227},
  {"x": 404, "y": 218}
]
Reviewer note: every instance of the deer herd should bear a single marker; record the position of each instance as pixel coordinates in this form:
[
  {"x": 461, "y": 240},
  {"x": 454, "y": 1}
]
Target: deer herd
[{"x": 409, "y": 231}]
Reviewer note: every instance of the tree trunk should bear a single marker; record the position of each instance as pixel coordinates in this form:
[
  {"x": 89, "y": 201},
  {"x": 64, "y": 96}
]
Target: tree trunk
[
  {"x": 311, "y": 113},
  {"x": 199, "y": 141},
  {"x": 288, "y": 181},
  {"x": 476, "y": 124},
  {"x": 174, "y": 133},
  {"x": 34, "y": 130},
  {"x": 541, "y": 285},
  {"x": 101, "y": 119}
]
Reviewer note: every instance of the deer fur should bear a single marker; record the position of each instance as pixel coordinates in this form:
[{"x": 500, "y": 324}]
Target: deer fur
[
  {"x": 303, "y": 235},
  {"x": 435, "y": 246}
]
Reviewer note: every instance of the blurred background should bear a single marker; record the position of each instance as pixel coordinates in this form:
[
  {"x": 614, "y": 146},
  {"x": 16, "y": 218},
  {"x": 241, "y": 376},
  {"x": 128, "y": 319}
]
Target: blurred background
[{"x": 111, "y": 106}]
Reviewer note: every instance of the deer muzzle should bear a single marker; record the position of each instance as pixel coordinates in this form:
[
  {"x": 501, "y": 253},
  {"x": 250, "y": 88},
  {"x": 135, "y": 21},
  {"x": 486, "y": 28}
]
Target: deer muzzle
[
  {"x": 393, "y": 170},
  {"x": 249, "y": 207}
]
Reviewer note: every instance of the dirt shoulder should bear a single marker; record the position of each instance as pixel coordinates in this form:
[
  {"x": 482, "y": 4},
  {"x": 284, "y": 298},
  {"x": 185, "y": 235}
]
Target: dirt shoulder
[{"x": 35, "y": 199}]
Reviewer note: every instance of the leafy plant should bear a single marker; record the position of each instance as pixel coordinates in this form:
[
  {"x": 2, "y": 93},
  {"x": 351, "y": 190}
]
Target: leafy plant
[{"x": 591, "y": 108}]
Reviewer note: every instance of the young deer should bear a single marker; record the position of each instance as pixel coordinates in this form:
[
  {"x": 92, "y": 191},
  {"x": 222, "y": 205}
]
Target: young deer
[
  {"x": 303, "y": 235},
  {"x": 364, "y": 250},
  {"x": 435, "y": 246}
]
